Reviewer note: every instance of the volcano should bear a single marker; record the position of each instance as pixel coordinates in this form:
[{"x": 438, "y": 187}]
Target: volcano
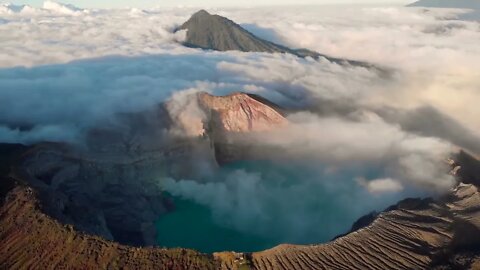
[
  {"x": 214, "y": 32},
  {"x": 64, "y": 209}
]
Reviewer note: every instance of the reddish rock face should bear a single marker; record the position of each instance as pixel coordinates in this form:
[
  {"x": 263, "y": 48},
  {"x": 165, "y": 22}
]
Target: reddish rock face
[
  {"x": 240, "y": 112},
  {"x": 204, "y": 114}
]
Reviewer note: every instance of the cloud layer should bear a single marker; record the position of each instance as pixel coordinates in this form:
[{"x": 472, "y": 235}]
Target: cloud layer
[
  {"x": 286, "y": 203},
  {"x": 365, "y": 136}
]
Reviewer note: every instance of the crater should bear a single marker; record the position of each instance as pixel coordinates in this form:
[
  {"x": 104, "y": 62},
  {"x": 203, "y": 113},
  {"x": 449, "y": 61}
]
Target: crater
[
  {"x": 140, "y": 184},
  {"x": 212, "y": 190}
]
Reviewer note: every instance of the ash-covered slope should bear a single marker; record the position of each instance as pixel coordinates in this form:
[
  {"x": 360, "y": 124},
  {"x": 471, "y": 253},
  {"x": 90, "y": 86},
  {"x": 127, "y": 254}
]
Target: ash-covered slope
[{"x": 214, "y": 32}]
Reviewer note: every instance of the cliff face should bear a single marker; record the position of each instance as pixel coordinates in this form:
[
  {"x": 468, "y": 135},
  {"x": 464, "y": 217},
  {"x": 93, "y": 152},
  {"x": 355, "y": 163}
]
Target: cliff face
[
  {"x": 222, "y": 120},
  {"x": 94, "y": 189},
  {"x": 229, "y": 118},
  {"x": 441, "y": 233},
  {"x": 109, "y": 194},
  {"x": 30, "y": 239}
]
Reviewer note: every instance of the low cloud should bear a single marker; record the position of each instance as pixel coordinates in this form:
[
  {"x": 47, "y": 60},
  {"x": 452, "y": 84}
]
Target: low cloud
[
  {"x": 412, "y": 160},
  {"x": 64, "y": 75},
  {"x": 384, "y": 185},
  {"x": 283, "y": 202},
  {"x": 433, "y": 51},
  {"x": 86, "y": 94}
]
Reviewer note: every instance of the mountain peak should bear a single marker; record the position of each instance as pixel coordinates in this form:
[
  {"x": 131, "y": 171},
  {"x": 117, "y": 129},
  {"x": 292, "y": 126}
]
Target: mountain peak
[
  {"x": 201, "y": 13},
  {"x": 214, "y": 32}
]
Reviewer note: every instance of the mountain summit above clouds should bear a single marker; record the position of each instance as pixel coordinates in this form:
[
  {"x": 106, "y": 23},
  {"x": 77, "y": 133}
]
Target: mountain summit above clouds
[
  {"x": 218, "y": 33},
  {"x": 214, "y": 32}
]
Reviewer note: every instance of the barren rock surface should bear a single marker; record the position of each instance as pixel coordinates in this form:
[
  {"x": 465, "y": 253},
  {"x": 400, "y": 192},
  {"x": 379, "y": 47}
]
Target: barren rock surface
[
  {"x": 240, "y": 112},
  {"x": 58, "y": 208},
  {"x": 414, "y": 234},
  {"x": 32, "y": 240},
  {"x": 214, "y": 32}
]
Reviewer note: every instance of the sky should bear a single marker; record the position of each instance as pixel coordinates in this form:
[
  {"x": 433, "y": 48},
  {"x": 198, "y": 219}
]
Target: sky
[{"x": 155, "y": 3}]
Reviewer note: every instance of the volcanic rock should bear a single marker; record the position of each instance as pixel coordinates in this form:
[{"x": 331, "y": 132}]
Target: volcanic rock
[
  {"x": 65, "y": 208},
  {"x": 218, "y": 33},
  {"x": 441, "y": 233},
  {"x": 240, "y": 112},
  {"x": 214, "y": 32}
]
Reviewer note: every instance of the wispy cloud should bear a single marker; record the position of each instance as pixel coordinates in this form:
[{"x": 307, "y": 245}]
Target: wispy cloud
[{"x": 349, "y": 121}]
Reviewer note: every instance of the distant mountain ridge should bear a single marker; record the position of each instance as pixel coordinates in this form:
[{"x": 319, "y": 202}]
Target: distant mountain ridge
[
  {"x": 214, "y": 32},
  {"x": 469, "y": 4},
  {"x": 461, "y": 4}
]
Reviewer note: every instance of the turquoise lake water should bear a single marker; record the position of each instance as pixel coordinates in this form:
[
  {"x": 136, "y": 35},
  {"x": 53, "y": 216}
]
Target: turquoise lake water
[
  {"x": 192, "y": 226},
  {"x": 289, "y": 204}
]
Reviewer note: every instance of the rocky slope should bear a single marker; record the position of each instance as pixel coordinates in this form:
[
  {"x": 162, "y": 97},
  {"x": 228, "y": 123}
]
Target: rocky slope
[
  {"x": 31, "y": 239},
  {"x": 110, "y": 194},
  {"x": 441, "y": 233},
  {"x": 415, "y": 234},
  {"x": 240, "y": 112},
  {"x": 214, "y": 32},
  {"x": 63, "y": 207},
  {"x": 224, "y": 120},
  {"x": 233, "y": 113},
  {"x": 110, "y": 189}
]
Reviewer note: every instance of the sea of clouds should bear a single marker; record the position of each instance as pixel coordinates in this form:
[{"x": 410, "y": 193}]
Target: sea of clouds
[{"x": 65, "y": 70}]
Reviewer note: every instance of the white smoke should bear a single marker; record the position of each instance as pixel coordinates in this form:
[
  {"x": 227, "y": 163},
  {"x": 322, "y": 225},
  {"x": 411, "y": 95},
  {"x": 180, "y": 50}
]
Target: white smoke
[
  {"x": 409, "y": 158},
  {"x": 348, "y": 168},
  {"x": 62, "y": 75},
  {"x": 381, "y": 185},
  {"x": 313, "y": 207}
]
